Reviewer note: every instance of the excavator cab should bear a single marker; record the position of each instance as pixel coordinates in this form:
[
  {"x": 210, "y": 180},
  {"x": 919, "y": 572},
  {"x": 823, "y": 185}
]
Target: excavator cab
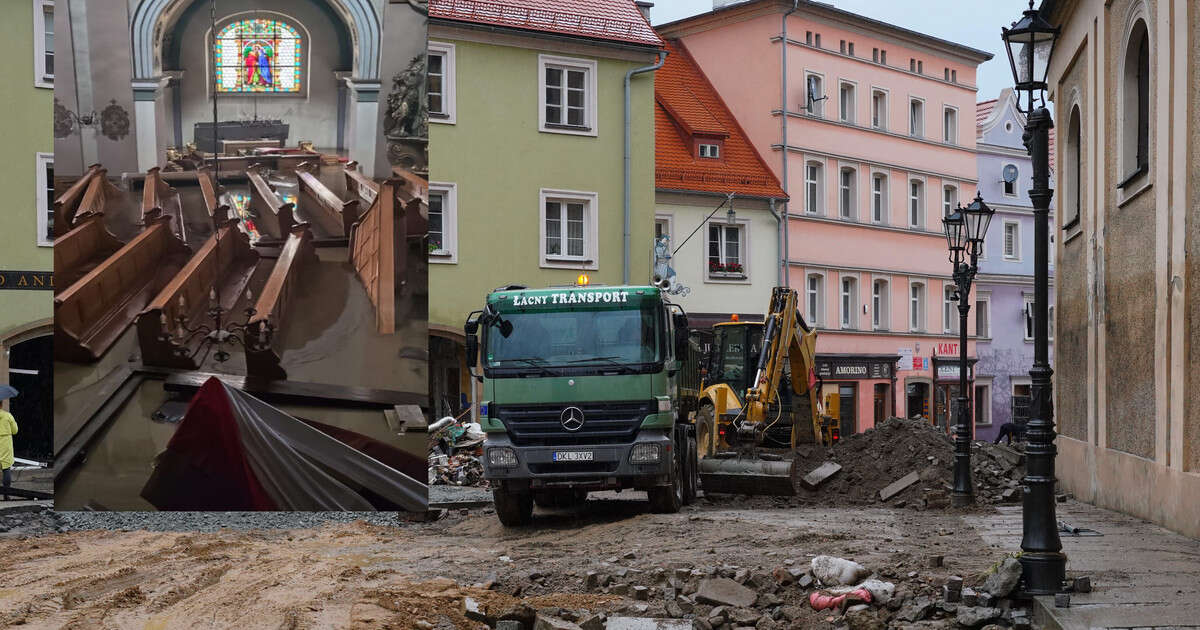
[{"x": 733, "y": 361}]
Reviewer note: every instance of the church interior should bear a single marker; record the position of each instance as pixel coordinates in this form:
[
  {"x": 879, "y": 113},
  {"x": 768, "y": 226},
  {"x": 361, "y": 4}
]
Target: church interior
[{"x": 226, "y": 230}]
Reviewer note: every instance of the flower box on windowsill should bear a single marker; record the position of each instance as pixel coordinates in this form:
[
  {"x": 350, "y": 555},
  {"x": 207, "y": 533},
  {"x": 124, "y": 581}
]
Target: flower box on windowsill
[
  {"x": 727, "y": 275},
  {"x": 441, "y": 253}
]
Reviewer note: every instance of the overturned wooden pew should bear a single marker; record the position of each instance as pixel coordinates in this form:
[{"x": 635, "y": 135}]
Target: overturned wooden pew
[
  {"x": 162, "y": 335},
  {"x": 263, "y": 349},
  {"x": 95, "y": 310},
  {"x": 274, "y": 217},
  {"x": 82, "y": 249},
  {"x": 87, "y": 196},
  {"x": 358, "y": 184},
  {"x": 211, "y": 191},
  {"x": 335, "y": 216},
  {"x": 375, "y": 256}
]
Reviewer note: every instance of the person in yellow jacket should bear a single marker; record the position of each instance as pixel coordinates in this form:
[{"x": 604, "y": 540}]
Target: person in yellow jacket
[{"x": 8, "y": 428}]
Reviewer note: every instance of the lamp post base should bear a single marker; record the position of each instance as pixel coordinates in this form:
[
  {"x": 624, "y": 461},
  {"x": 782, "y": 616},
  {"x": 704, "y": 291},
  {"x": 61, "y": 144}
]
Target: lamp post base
[
  {"x": 961, "y": 499},
  {"x": 1043, "y": 573}
]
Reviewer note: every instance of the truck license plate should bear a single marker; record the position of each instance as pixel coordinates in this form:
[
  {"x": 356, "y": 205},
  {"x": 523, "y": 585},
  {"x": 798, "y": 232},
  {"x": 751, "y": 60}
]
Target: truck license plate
[{"x": 573, "y": 456}]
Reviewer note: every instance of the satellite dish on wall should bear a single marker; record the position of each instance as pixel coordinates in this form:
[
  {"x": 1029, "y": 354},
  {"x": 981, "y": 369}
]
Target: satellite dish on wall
[{"x": 1010, "y": 173}]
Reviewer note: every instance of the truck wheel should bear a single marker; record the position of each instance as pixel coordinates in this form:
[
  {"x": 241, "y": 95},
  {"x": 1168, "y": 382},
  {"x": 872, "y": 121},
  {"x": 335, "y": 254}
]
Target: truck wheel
[
  {"x": 691, "y": 469},
  {"x": 668, "y": 499},
  {"x": 513, "y": 509}
]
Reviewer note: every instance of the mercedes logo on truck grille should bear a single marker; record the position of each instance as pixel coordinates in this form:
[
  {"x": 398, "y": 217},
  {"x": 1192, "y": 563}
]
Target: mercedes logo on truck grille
[{"x": 571, "y": 419}]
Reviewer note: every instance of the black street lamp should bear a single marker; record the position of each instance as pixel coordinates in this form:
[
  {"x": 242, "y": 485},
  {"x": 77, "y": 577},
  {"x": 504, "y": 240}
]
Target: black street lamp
[
  {"x": 1030, "y": 44},
  {"x": 965, "y": 229}
]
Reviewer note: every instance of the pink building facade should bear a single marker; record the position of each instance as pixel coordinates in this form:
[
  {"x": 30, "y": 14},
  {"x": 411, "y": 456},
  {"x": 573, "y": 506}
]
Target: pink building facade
[{"x": 871, "y": 128}]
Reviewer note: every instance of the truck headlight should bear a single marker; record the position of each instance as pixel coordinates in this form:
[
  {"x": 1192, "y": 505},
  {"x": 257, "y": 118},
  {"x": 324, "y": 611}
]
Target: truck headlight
[
  {"x": 644, "y": 454},
  {"x": 502, "y": 456},
  {"x": 664, "y": 404}
]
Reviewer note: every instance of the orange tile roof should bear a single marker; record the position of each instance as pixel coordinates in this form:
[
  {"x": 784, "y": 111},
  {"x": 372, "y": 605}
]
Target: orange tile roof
[
  {"x": 686, "y": 104},
  {"x": 615, "y": 20},
  {"x": 983, "y": 109}
]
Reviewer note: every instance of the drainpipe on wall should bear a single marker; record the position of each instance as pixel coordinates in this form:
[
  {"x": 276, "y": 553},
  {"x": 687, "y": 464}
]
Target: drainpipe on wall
[
  {"x": 783, "y": 125},
  {"x": 778, "y": 242},
  {"x": 662, "y": 58}
]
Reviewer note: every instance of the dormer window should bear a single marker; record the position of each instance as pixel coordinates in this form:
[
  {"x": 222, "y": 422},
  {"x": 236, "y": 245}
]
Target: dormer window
[{"x": 710, "y": 151}]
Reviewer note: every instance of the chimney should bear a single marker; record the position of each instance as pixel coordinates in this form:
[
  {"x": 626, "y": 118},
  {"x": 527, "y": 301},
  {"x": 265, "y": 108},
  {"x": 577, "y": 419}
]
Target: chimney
[{"x": 644, "y": 7}]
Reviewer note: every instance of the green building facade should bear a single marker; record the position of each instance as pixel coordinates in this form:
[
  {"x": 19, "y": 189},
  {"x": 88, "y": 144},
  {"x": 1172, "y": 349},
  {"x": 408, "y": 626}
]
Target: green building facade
[
  {"x": 26, "y": 245},
  {"x": 527, "y": 179}
]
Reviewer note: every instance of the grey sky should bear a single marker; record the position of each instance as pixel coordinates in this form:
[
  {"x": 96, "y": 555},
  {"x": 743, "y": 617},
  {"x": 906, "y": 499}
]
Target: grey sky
[{"x": 974, "y": 23}]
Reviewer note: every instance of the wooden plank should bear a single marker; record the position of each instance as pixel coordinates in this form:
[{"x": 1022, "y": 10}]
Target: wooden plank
[
  {"x": 154, "y": 192},
  {"x": 211, "y": 190},
  {"x": 189, "y": 294},
  {"x": 357, "y": 183},
  {"x": 295, "y": 392},
  {"x": 373, "y": 254},
  {"x": 898, "y": 486},
  {"x": 274, "y": 216},
  {"x": 271, "y": 309},
  {"x": 336, "y": 216},
  {"x": 91, "y": 314}
]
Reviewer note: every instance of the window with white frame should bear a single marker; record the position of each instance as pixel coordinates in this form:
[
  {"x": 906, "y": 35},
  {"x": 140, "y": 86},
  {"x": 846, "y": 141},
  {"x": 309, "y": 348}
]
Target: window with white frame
[
  {"x": 916, "y": 306},
  {"x": 879, "y": 304},
  {"x": 916, "y": 118},
  {"x": 950, "y": 125},
  {"x": 1010, "y": 187},
  {"x": 443, "y": 222},
  {"x": 879, "y": 109},
  {"x": 568, "y": 95},
  {"x": 569, "y": 229},
  {"x": 815, "y": 103},
  {"x": 848, "y": 193},
  {"x": 879, "y": 198},
  {"x": 849, "y": 302},
  {"x": 726, "y": 250},
  {"x": 983, "y": 325},
  {"x": 710, "y": 151},
  {"x": 916, "y": 203},
  {"x": 440, "y": 82},
  {"x": 815, "y": 298},
  {"x": 983, "y": 405},
  {"x": 1012, "y": 240},
  {"x": 949, "y": 199},
  {"x": 949, "y": 309},
  {"x": 45, "y": 199},
  {"x": 1027, "y": 311},
  {"x": 813, "y": 187},
  {"x": 43, "y": 43},
  {"x": 662, "y": 227},
  {"x": 846, "y": 100}
]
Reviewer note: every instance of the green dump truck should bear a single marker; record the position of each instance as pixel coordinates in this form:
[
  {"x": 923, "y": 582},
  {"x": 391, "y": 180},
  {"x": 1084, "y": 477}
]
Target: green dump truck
[{"x": 585, "y": 388}]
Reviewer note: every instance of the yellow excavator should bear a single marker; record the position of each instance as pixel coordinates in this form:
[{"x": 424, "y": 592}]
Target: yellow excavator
[{"x": 760, "y": 388}]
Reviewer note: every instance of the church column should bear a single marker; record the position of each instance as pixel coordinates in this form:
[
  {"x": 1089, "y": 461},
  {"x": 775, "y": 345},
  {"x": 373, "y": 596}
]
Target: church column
[
  {"x": 145, "y": 111},
  {"x": 364, "y": 129}
]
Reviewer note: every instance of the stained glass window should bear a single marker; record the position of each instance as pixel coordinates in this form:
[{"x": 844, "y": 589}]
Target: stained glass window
[{"x": 259, "y": 56}]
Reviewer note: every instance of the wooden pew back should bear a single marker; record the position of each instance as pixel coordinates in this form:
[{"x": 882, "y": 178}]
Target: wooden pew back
[
  {"x": 271, "y": 308},
  {"x": 275, "y": 216},
  {"x": 326, "y": 206},
  {"x": 373, "y": 254},
  {"x": 86, "y": 242}
]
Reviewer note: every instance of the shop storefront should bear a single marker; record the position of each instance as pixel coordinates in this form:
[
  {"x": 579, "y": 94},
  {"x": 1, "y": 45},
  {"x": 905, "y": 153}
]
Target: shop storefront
[
  {"x": 864, "y": 386},
  {"x": 946, "y": 390}
]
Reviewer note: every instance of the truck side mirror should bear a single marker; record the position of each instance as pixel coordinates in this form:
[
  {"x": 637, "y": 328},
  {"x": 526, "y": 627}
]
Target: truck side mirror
[
  {"x": 680, "y": 322},
  {"x": 472, "y": 352}
]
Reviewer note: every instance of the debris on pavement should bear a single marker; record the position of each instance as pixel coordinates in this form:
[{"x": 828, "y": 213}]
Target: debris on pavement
[
  {"x": 830, "y": 570},
  {"x": 455, "y": 454}
]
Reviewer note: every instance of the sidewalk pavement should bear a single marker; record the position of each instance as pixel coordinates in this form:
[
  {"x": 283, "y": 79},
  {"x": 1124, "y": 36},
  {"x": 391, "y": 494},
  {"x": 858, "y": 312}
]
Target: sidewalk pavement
[{"x": 1143, "y": 576}]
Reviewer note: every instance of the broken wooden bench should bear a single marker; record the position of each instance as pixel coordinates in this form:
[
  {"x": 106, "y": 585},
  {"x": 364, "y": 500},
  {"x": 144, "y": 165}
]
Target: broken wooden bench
[{"x": 263, "y": 346}]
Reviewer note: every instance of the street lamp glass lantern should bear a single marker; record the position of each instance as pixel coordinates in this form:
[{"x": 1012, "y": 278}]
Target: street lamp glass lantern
[
  {"x": 954, "y": 227},
  {"x": 977, "y": 216},
  {"x": 1030, "y": 43}
]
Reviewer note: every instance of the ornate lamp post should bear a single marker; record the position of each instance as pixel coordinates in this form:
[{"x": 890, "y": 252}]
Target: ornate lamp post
[
  {"x": 1030, "y": 43},
  {"x": 965, "y": 229}
]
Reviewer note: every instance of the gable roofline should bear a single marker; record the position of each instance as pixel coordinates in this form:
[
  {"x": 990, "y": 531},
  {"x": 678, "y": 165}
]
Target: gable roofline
[
  {"x": 937, "y": 44},
  {"x": 565, "y": 21},
  {"x": 1007, "y": 101}
]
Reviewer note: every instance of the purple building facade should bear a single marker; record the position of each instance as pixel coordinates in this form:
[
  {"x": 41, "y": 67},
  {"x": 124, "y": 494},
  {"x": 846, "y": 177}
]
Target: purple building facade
[{"x": 1004, "y": 290}]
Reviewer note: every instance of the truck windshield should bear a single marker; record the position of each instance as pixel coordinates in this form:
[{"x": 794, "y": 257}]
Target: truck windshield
[{"x": 577, "y": 339}]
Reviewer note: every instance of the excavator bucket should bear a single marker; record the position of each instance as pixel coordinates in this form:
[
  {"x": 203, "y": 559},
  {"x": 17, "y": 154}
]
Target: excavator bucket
[{"x": 744, "y": 475}]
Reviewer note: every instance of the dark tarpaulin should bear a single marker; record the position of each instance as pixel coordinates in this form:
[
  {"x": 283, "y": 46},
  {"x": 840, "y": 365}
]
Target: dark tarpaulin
[{"x": 232, "y": 451}]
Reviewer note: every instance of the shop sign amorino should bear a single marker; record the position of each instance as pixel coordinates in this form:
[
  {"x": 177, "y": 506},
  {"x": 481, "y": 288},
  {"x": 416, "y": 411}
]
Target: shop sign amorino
[{"x": 838, "y": 368}]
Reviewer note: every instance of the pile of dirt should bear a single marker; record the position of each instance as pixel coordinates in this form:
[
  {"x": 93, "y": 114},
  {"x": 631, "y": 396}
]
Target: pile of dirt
[{"x": 876, "y": 458}]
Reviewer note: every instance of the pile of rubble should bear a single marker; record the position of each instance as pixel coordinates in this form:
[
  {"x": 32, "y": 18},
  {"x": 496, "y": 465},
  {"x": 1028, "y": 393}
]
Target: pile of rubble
[
  {"x": 795, "y": 594},
  {"x": 464, "y": 468},
  {"x": 907, "y": 463}
]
